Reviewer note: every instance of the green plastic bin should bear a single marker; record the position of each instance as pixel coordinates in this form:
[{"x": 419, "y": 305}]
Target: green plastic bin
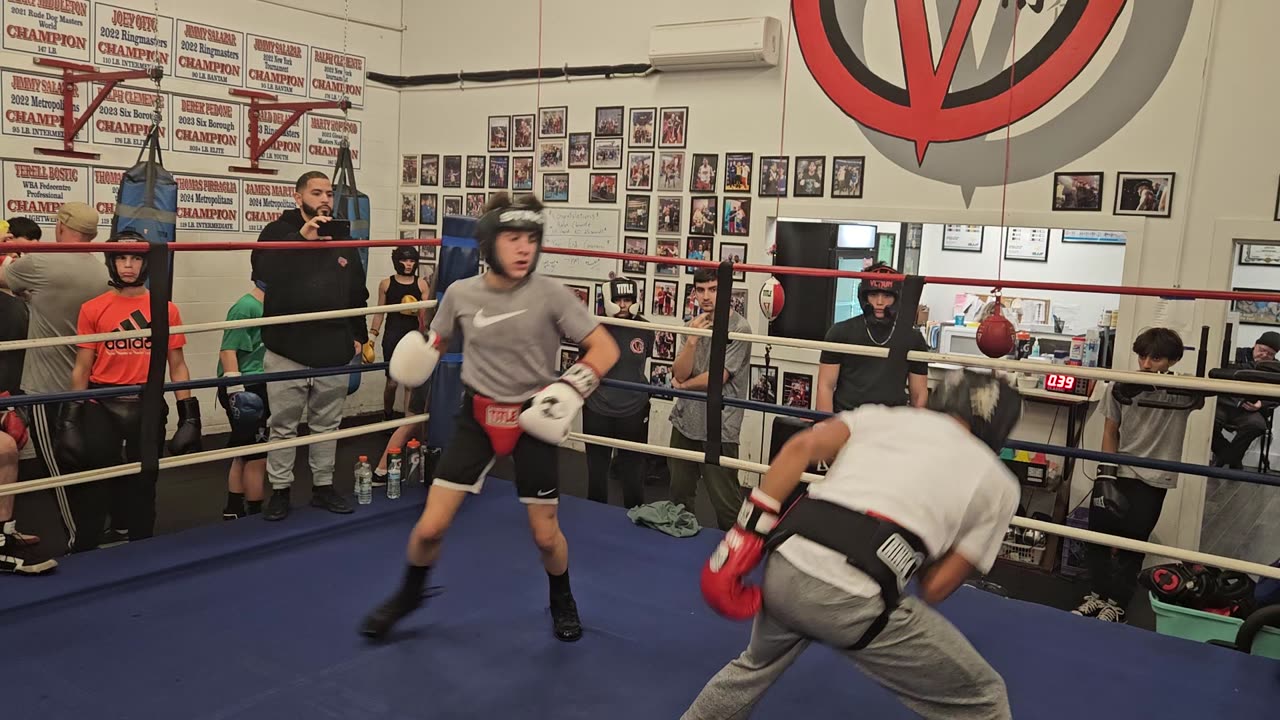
[{"x": 1203, "y": 626}]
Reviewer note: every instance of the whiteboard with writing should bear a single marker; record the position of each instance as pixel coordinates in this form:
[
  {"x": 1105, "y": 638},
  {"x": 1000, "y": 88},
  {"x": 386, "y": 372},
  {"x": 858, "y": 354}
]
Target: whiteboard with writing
[{"x": 581, "y": 229}]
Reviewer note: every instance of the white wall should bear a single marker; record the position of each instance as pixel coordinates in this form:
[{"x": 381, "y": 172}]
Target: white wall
[{"x": 206, "y": 284}]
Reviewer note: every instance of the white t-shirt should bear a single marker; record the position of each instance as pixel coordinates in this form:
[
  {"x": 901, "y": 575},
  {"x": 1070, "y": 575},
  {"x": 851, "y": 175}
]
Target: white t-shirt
[{"x": 924, "y": 471}]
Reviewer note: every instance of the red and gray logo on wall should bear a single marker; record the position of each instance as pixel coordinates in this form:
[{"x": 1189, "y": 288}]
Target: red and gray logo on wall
[{"x": 945, "y": 109}]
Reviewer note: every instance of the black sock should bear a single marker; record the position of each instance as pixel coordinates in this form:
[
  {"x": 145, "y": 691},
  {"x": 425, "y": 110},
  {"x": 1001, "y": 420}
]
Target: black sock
[
  {"x": 235, "y": 503},
  {"x": 559, "y": 583},
  {"x": 415, "y": 579},
  {"x": 253, "y": 507}
]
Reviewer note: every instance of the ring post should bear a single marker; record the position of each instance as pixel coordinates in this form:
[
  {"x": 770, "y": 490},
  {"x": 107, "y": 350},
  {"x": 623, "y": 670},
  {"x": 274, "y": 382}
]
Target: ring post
[
  {"x": 154, "y": 411},
  {"x": 715, "y": 370}
]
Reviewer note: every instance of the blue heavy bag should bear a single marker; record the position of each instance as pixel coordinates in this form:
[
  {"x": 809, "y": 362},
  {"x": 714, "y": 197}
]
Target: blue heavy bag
[
  {"x": 459, "y": 258},
  {"x": 348, "y": 202},
  {"x": 147, "y": 200}
]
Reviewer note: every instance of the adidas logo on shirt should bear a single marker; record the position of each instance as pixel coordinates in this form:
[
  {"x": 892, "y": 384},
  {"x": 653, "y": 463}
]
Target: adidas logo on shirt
[{"x": 135, "y": 321}]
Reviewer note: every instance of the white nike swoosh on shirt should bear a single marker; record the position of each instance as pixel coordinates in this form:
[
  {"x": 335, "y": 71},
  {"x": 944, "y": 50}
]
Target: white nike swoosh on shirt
[{"x": 481, "y": 320}]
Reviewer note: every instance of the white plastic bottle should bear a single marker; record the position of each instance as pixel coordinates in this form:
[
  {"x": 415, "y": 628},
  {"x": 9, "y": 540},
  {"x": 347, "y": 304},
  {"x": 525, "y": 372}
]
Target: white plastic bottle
[
  {"x": 393, "y": 474},
  {"x": 364, "y": 481},
  {"x": 1092, "y": 343}
]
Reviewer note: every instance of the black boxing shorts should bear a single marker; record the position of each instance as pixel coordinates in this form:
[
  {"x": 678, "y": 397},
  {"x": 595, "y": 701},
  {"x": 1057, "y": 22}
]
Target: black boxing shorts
[{"x": 486, "y": 430}]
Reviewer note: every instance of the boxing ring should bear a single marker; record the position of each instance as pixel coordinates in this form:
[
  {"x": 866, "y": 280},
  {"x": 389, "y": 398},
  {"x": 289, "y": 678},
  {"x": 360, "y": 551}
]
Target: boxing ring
[{"x": 258, "y": 620}]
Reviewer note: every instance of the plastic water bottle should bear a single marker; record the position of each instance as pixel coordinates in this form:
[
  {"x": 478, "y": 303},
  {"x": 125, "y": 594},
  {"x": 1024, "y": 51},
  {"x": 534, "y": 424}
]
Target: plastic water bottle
[
  {"x": 393, "y": 473},
  {"x": 415, "y": 463},
  {"x": 364, "y": 481}
]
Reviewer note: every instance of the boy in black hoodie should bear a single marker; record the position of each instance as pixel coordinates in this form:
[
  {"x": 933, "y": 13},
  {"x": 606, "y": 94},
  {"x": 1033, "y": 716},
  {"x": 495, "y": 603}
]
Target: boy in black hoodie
[{"x": 305, "y": 281}]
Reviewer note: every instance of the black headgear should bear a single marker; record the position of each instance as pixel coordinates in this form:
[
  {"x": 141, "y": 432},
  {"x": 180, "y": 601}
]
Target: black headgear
[
  {"x": 991, "y": 406},
  {"x": 127, "y": 236},
  {"x": 621, "y": 288},
  {"x": 506, "y": 217},
  {"x": 870, "y": 285},
  {"x": 403, "y": 254}
]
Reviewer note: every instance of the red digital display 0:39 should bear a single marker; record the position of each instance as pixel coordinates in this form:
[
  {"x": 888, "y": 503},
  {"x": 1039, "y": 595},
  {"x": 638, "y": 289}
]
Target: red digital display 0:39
[{"x": 1060, "y": 383}]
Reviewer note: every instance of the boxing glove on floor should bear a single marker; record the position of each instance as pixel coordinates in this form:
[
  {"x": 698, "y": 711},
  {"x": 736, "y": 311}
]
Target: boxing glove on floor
[
  {"x": 554, "y": 408},
  {"x": 415, "y": 358},
  {"x": 724, "y": 585},
  {"x": 186, "y": 439}
]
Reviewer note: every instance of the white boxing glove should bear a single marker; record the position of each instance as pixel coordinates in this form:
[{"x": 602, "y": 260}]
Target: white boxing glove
[
  {"x": 555, "y": 407},
  {"x": 415, "y": 358}
]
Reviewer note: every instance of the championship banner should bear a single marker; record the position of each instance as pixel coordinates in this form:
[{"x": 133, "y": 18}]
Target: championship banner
[
  {"x": 335, "y": 76},
  {"x": 33, "y": 106},
  {"x": 211, "y": 204},
  {"x": 210, "y": 54},
  {"x": 263, "y": 202},
  {"x": 131, "y": 39},
  {"x": 124, "y": 118},
  {"x": 276, "y": 66},
  {"x": 58, "y": 28},
  {"x": 38, "y": 190},
  {"x": 206, "y": 127},
  {"x": 288, "y": 147},
  {"x": 106, "y": 186},
  {"x": 324, "y": 137}
]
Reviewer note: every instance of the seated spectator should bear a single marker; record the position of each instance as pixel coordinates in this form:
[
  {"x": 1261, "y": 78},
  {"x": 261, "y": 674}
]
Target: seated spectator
[{"x": 1242, "y": 416}]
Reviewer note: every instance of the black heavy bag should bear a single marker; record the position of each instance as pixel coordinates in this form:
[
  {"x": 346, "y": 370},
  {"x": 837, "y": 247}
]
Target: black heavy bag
[
  {"x": 459, "y": 258},
  {"x": 348, "y": 202},
  {"x": 147, "y": 200}
]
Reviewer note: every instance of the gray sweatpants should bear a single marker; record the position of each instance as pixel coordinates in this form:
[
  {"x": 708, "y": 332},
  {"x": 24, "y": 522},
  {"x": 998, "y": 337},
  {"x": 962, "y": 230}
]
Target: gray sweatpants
[
  {"x": 919, "y": 656},
  {"x": 323, "y": 398}
]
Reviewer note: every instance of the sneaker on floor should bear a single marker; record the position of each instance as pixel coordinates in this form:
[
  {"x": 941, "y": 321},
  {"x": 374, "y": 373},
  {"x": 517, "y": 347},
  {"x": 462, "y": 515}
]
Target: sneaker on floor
[
  {"x": 1111, "y": 612},
  {"x": 379, "y": 478},
  {"x": 329, "y": 499},
  {"x": 277, "y": 505},
  {"x": 231, "y": 515},
  {"x": 564, "y": 618},
  {"x": 112, "y": 537},
  {"x": 1090, "y": 606},
  {"x": 378, "y": 623},
  {"x": 23, "y": 558}
]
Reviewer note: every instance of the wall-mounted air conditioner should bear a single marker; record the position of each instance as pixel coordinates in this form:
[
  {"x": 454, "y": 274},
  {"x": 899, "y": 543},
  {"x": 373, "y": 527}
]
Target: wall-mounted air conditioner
[{"x": 716, "y": 44}]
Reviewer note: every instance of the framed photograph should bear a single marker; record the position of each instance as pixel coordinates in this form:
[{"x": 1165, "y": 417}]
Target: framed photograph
[
  {"x": 1026, "y": 243},
  {"x": 1277, "y": 213},
  {"x": 962, "y": 238},
  {"x": 579, "y": 150},
  {"x": 408, "y": 234},
  {"x": 697, "y": 248},
  {"x": 810, "y": 176},
  {"x": 608, "y": 154},
  {"x": 555, "y": 187},
  {"x": 671, "y": 171},
  {"x": 499, "y": 133},
  {"x": 643, "y": 121},
  {"x": 1259, "y": 254},
  {"x": 609, "y": 121},
  {"x": 737, "y": 217},
  {"x": 703, "y": 216},
  {"x": 673, "y": 127},
  {"x": 499, "y": 170},
  {"x": 583, "y": 293},
  {"x": 738, "y": 301},
  {"x": 737, "y": 172},
  {"x": 475, "y": 171},
  {"x": 430, "y": 170},
  {"x": 452, "y": 171},
  {"x": 408, "y": 209},
  {"x": 522, "y": 172},
  {"x": 1147, "y": 194},
  {"x": 774, "y": 175},
  {"x": 846, "y": 176},
  {"x": 764, "y": 384},
  {"x": 664, "y": 345},
  {"x": 640, "y": 170},
  {"x": 604, "y": 188},
  {"x": 1255, "y": 312},
  {"x": 600, "y": 308},
  {"x": 669, "y": 215},
  {"x": 475, "y": 204},
  {"x": 634, "y": 246},
  {"x": 664, "y": 297},
  {"x": 522, "y": 133},
  {"x": 692, "y": 308},
  {"x": 659, "y": 374},
  {"x": 427, "y": 272},
  {"x": 637, "y": 216},
  {"x": 704, "y": 170},
  {"x": 427, "y": 252},
  {"x": 553, "y": 122},
  {"x": 551, "y": 155},
  {"x": 409, "y": 170},
  {"x": 428, "y": 203},
  {"x": 568, "y": 356},
  {"x": 1074, "y": 191},
  {"x": 735, "y": 253},
  {"x": 452, "y": 204},
  {"x": 669, "y": 248},
  {"x": 797, "y": 389}
]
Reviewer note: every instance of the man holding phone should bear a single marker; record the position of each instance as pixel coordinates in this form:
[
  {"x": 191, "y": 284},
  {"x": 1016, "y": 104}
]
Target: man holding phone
[{"x": 307, "y": 281}]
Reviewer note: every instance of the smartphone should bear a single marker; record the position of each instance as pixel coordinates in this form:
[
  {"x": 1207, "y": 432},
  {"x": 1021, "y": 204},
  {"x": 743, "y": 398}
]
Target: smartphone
[{"x": 336, "y": 229}]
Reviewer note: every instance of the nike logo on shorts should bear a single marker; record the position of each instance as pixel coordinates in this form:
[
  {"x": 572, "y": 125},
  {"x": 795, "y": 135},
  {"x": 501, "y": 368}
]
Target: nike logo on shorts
[
  {"x": 481, "y": 320},
  {"x": 544, "y": 493}
]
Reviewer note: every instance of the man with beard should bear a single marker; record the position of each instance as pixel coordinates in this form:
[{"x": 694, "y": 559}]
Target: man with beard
[{"x": 307, "y": 281}]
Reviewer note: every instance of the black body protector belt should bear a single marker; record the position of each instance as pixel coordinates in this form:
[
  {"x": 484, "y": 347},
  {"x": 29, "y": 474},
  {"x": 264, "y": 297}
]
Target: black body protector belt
[{"x": 884, "y": 550}]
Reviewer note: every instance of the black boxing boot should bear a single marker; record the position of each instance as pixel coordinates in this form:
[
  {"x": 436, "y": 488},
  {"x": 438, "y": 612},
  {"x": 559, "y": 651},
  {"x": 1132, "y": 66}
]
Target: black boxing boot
[
  {"x": 409, "y": 597},
  {"x": 565, "y": 622}
]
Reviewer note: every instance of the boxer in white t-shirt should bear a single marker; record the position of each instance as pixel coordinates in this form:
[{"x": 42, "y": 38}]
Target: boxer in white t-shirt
[{"x": 909, "y": 490}]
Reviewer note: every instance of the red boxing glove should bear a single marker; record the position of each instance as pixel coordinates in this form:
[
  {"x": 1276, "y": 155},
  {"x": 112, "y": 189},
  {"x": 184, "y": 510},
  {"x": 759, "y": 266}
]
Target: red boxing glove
[
  {"x": 11, "y": 424},
  {"x": 723, "y": 577}
]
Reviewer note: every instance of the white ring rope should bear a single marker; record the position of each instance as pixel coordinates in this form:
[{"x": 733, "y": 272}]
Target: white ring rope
[
  {"x": 1088, "y": 536},
  {"x": 177, "y": 461},
  {"x": 214, "y": 326}
]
